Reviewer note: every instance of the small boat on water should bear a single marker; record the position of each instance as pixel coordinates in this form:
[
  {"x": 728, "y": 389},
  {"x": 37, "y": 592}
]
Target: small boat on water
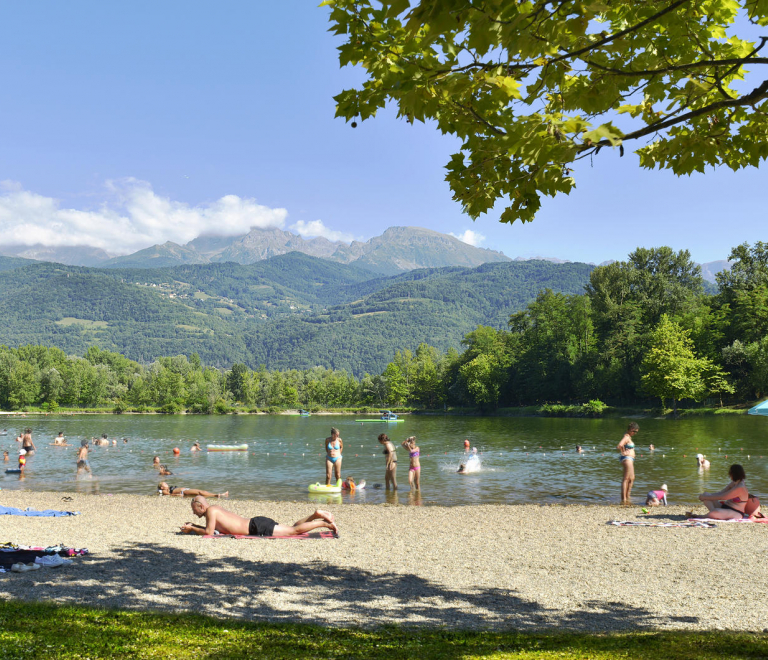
[
  {"x": 304, "y": 413},
  {"x": 386, "y": 416}
]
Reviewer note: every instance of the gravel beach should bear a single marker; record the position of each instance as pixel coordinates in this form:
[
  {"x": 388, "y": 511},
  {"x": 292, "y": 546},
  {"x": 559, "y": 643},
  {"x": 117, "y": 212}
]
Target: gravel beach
[{"x": 474, "y": 567}]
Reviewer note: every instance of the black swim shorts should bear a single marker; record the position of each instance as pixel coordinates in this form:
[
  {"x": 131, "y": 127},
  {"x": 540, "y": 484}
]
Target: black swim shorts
[{"x": 261, "y": 526}]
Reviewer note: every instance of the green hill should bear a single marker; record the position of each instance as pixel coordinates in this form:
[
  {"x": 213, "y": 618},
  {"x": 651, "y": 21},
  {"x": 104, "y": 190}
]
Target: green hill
[{"x": 291, "y": 311}]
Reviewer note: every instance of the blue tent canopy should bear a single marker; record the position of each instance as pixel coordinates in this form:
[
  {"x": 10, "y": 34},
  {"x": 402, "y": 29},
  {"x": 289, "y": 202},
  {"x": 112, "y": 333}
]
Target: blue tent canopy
[{"x": 760, "y": 409}]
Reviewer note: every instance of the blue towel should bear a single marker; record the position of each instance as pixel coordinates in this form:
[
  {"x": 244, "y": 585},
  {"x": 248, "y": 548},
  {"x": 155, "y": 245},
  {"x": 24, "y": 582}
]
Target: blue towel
[{"x": 48, "y": 513}]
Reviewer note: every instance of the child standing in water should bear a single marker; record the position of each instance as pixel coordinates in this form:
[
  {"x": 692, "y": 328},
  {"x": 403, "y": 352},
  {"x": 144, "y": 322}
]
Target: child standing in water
[
  {"x": 390, "y": 471},
  {"x": 414, "y": 471},
  {"x": 82, "y": 458}
]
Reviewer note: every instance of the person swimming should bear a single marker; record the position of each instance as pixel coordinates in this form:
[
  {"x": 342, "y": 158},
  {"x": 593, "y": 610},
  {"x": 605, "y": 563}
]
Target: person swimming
[{"x": 702, "y": 462}]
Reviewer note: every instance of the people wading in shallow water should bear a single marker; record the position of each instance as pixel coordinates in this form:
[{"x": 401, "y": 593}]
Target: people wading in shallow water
[
  {"x": 390, "y": 471},
  {"x": 26, "y": 442},
  {"x": 334, "y": 445},
  {"x": 414, "y": 470},
  {"x": 626, "y": 449}
]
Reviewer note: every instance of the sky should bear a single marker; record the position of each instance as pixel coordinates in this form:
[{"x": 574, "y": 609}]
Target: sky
[{"x": 123, "y": 125}]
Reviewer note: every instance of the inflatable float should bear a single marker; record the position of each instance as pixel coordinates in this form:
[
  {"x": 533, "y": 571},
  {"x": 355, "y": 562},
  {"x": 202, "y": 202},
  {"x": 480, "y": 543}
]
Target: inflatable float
[
  {"x": 13, "y": 471},
  {"x": 227, "y": 447},
  {"x": 322, "y": 488}
]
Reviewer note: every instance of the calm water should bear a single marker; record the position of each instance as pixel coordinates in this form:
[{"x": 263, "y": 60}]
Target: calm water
[{"x": 523, "y": 459}]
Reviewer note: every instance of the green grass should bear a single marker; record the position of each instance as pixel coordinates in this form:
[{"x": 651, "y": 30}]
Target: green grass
[
  {"x": 71, "y": 320},
  {"x": 32, "y": 630}
]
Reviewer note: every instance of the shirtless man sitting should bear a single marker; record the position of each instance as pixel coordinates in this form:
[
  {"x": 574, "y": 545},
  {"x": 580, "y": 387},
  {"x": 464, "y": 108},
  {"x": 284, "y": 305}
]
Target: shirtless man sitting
[{"x": 220, "y": 520}]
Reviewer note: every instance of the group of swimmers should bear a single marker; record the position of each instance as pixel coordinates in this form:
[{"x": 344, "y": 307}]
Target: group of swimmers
[
  {"x": 334, "y": 446},
  {"x": 28, "y": 449}
]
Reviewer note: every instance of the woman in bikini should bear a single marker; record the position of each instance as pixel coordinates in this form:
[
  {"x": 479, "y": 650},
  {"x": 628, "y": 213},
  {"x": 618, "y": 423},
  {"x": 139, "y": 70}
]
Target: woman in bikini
[
  {"x": 177, "y": 491},
  {"x": 729, "y": 503},
  {"x": 626, "y": 449},
  {"x": 390, "y": 471},
  {"x": 414, "y": 470},
  {"x": 333, "y": 448}
]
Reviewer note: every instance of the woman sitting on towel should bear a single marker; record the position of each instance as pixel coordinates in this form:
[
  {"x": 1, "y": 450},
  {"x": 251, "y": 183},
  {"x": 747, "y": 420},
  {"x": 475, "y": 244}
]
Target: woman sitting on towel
[
  {"x": 729, "y": 503},
  {"x": 177, "y": 491}
]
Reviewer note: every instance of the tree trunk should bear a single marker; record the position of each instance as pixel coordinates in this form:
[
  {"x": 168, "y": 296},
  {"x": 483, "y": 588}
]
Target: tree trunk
[{"x": 674, "y": 406}]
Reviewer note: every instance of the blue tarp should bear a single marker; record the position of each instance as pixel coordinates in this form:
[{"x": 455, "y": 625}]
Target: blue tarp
[
  {"x": 760, "y": 409},
  {"x": 48, "y": 513}
]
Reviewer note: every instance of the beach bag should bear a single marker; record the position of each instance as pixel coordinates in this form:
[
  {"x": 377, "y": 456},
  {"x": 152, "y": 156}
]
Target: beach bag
[{"x": 752, "y": 507}]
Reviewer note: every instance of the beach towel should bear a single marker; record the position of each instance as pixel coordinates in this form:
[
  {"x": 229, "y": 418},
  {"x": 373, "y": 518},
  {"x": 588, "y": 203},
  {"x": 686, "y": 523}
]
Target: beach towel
[
  {"x": 704, "y": 524},
  {"x": 734, "y": 520},
  {"x": 47, "y": 513},
  {"x": 298, "y": 537}
]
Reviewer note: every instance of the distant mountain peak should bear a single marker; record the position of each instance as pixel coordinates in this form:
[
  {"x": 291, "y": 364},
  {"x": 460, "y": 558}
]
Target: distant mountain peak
[{"x": 397, "y": 250}]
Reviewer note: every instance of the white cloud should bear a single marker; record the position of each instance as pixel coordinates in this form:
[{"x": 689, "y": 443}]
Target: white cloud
[
  {"x": 132, "y": 217},
  {"x": 470, "y": 237},
  {"x": 317, "y": 228}
]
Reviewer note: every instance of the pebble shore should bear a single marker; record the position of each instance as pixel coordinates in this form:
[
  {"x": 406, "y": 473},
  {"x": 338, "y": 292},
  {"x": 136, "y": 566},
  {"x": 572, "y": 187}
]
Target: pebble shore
[{"x": 475, "y": 567}]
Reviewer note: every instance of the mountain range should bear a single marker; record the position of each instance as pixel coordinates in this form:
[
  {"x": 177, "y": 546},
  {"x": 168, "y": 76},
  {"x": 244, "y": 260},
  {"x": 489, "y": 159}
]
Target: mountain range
[{"x": 397, "y": 250}]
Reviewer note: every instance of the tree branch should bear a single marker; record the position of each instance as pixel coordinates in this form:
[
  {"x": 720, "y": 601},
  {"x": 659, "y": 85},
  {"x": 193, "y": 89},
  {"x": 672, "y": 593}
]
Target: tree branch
[
  {"x": 618, "y": 35},
  {"x": 757, "y": 94}
]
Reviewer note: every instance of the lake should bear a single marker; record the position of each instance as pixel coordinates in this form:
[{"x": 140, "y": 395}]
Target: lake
[{"x": 528, "y": 459}]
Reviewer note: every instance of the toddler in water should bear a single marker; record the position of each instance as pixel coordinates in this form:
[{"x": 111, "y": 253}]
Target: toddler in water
[
  {"x": 414, "y": 471},
  {"x": 656, "y": 497}
]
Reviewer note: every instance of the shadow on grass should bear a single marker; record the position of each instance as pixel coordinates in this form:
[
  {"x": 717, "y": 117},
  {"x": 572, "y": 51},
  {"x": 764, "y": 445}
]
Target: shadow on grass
[
  {"x": 154, "y": 577},
  {"x": 48, "y": 631}
]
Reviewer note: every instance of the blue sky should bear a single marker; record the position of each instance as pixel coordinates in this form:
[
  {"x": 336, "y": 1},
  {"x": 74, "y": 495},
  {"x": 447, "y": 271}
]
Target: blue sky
[{"x": 134, "y": 123}]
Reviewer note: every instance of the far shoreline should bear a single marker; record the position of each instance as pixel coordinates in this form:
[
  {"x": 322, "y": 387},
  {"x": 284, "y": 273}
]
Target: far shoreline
[{"x": 545, "y": 410}]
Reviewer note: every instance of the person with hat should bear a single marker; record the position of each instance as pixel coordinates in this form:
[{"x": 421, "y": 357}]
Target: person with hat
[
  {"x": 702, "y": 462},
  {"x": 656, "y": 497}
]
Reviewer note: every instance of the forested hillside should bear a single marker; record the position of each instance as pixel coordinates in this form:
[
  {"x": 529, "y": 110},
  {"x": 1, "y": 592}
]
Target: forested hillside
[
  {"x": 291, "y": 311},
  {"x": 643, "y": 330}
]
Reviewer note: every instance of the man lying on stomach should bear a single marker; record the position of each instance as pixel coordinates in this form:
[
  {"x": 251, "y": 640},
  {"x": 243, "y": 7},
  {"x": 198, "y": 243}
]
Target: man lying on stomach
[{"x": 218, "y": 519}]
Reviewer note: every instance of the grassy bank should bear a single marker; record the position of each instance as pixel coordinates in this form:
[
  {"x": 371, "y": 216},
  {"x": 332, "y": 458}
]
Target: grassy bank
[{"x": 29, "y": 630}]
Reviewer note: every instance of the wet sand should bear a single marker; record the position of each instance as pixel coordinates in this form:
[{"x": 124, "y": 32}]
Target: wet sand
[{"x": 475, "y": 567}]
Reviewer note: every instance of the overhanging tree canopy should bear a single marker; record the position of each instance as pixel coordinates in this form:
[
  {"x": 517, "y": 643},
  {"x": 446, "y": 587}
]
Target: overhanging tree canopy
[{"x": 532, "y": 86}]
